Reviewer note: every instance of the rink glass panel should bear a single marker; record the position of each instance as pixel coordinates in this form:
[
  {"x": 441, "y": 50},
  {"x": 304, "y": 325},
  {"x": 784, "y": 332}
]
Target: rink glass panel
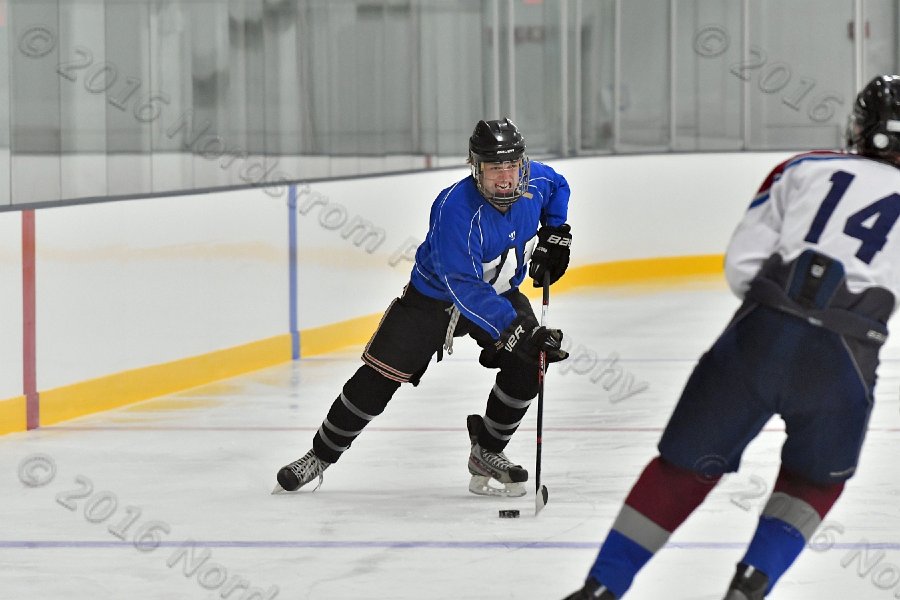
[{"x": 112, "y": 98}]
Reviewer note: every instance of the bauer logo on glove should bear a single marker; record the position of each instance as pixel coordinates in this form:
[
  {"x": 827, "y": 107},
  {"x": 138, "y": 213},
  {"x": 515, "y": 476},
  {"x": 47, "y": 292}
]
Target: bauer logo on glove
[
  {"x": 551, "y": 255},
  {"x": 526, "y": 339},
  {"x": 559, "y": 240},
  {"x": 513, "y": 339}
]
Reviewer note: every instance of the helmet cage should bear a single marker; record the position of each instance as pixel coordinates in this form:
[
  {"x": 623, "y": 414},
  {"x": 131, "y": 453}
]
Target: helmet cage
[{"x": 499, "y": 198}]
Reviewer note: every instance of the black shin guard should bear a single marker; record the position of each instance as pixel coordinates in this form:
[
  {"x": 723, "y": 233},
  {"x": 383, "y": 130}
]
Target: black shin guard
[
  {"x": 501, "y": 419},
  {"x": 363, "y": 398}
]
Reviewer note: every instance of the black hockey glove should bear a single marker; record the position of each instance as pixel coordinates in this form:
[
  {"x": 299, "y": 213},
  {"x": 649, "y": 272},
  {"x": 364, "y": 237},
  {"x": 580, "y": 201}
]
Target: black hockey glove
[
  {"x": 525, "y": 338},
  {"x": 551, "y": 255}
]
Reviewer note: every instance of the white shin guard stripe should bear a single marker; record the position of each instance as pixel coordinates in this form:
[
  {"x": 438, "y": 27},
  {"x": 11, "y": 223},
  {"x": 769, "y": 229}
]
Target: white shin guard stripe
[
  {"x": 640, "y": 529},
  {"x": 340, "y": 431},
  {"x": 494, "y": 427},
  {"x": 352, "y": 408},
  {"x": 509, "y": 400},
  {"x": 323, "y": 435},
  {"x": 793, "y": 511}
]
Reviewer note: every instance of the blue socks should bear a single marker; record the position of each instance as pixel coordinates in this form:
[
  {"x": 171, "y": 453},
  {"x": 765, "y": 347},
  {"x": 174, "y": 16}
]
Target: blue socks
[
  {"x": 618, "y": 562},
  {"x": 775, "y": 546}
]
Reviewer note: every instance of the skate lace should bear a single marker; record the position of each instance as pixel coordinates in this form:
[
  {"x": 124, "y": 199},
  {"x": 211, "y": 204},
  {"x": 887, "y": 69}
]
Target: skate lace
[
  {"x": 309, "y": 467},
  {"x": 497, "y": 460}
]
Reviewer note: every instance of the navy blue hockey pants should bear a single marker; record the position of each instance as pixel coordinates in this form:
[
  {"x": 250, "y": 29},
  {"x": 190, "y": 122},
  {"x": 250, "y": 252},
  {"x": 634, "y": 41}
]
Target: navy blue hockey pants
[{"x": 765, "y": 363}]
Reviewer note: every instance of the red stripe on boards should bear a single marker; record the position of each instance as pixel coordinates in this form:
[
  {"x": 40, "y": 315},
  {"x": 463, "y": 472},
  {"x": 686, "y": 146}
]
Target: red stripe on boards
[{"x": 29, "y": 322}]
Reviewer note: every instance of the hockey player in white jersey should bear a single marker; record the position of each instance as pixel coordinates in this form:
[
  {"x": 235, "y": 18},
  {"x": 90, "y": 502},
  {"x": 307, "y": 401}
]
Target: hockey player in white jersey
[
  {"x": 816, "y": 261},
  {"x": 465, "y": 282}
]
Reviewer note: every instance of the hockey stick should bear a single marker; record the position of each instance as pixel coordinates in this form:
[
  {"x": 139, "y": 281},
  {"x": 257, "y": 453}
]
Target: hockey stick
[{"x": 540, "y": 491}]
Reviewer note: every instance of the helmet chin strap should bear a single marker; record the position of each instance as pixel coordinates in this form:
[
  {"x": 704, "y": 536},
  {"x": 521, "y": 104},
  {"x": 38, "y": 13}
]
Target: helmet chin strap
[
  {"x": 503, "y": 202},
  {"x": 498, "y": 202},
  {"x": 502, "y": 206}
]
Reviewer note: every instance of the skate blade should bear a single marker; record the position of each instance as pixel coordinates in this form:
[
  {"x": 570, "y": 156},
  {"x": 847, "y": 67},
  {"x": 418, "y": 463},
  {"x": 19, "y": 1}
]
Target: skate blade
[
  {"x": 482, "y": 486},
  {"x": 279, "y": 490}
]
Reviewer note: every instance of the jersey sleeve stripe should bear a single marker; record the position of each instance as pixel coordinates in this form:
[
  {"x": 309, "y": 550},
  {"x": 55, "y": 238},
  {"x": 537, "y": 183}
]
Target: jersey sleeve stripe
[
  {"x": 762, "y": 194},
  {"x": 475, "y": 216},
  {"x": 760, "y": 199}
]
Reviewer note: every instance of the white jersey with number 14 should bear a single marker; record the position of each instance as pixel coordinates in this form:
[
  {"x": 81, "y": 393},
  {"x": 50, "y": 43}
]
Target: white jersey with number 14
[{"x": 842, "y": 205}]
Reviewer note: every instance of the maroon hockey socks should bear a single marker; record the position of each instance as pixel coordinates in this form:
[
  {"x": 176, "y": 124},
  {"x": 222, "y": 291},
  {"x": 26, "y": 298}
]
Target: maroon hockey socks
[{"x": 661, "y": 500}]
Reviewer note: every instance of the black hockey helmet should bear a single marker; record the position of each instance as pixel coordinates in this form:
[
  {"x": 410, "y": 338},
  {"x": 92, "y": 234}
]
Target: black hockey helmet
[
  {"x": 498, "y": 141},
  {"x": 874, "y": 126}
]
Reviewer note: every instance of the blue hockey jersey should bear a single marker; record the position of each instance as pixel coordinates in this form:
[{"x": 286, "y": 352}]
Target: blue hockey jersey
[{"x": 473, "y": 253}]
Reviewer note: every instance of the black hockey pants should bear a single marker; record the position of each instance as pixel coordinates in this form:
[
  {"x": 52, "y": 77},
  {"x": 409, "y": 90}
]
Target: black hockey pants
[{"x": 411, "y": 331}]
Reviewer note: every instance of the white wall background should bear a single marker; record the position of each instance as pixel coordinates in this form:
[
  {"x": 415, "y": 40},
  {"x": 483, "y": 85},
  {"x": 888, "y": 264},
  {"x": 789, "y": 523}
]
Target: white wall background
[
  {"x": 10, "y": 305},
  {"x": 123, "y": 285},
  {"x": 622, "y": 207},
  {"x": 339, "y": 279},
  {"x": 627, "y": 207}
]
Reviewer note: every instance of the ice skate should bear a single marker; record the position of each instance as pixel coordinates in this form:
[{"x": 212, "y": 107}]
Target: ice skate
[
  {"x": 591, "y": 591},
  {"x": 748, "y": 584},
  {"x": 295, "y": 475},
  {"x": 488, "y": 469}
]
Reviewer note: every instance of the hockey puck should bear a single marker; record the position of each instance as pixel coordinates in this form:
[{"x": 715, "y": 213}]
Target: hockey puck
[{"x": 509, "y": 514}]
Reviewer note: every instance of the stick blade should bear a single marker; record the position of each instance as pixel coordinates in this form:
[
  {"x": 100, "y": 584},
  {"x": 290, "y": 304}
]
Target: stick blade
[{"x": 540, "y": 499}]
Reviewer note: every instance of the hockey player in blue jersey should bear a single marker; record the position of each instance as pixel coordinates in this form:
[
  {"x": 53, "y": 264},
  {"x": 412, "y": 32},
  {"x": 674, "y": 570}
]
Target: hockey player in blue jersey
[
  {"x": 817, "y": 264},
  {"x": 465, "y": 280}
]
